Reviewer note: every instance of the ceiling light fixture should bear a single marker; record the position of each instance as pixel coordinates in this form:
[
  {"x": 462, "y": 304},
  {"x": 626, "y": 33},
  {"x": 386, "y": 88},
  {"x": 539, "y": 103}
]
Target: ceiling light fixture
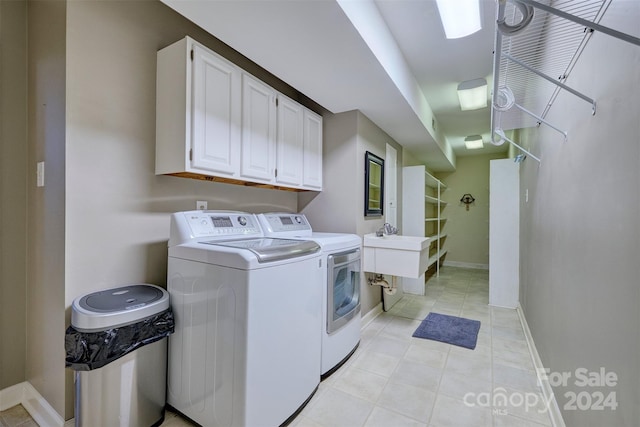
[
  {"x": 472, "y": 94},
  {"x": 473, "y": 142},
  {"x": 460, "y": 18}
]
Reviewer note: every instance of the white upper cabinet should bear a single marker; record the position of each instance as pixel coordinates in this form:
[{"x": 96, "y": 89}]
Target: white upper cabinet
[
  {"x": 312, "y": 153},
  {"x": 198, "y": 116},
  {"x": 289, "y": 141},
  {"x": 258, "y": 129},
  {"x": 215, "y": 114},
  {"x": 216, "y": 122}
]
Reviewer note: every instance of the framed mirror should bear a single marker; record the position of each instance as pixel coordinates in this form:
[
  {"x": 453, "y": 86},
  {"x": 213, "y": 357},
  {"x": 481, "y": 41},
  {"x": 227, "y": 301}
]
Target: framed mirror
[{"x": 373, "y": 185}]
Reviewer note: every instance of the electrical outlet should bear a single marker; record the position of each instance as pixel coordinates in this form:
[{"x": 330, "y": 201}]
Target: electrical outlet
[{"x": 201, "y": 205}]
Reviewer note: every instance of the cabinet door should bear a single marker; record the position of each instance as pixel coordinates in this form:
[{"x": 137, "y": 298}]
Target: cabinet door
[
  {"x": 289, "y": 142},
  {"x": 215, "y": 114},
  {"x": 258, "y": 130},
  {"x": 312, "y": 153}
]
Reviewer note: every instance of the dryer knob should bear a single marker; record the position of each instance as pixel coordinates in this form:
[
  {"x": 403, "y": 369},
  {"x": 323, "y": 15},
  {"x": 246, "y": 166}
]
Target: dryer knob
[
  {"x": 298, "y": 219},
  {"x": 242, "y": 221}
]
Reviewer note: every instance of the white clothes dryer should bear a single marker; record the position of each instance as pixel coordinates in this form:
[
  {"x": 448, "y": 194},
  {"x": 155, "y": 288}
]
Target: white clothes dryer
[
  {"x": 246, "y": 347},
  {"x": 341, "y": 317}
]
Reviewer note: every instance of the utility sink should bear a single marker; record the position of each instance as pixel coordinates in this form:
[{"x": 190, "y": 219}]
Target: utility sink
[{"x": 404, "y": 256}]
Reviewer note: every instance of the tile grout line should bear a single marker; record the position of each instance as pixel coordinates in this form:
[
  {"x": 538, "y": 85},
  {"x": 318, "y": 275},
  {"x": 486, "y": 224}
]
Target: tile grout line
[
  {"x": 493, "y": 418},
  {"x": 388, "y": 381},
  {"x": 446, "y": 362}
]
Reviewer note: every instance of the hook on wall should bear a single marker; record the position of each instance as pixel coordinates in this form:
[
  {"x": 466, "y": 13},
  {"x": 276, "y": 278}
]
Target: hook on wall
[{"x": 467, "y": 199}]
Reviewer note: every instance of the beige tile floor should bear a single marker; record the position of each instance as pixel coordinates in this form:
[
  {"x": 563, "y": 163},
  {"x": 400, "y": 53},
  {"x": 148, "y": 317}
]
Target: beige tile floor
[
  {"x": 396, "y": 380},
  {"x": 16, "y": 416}
]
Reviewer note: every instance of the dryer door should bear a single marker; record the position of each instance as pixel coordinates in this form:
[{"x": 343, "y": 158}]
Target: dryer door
[{"x": 343, "y": 290}]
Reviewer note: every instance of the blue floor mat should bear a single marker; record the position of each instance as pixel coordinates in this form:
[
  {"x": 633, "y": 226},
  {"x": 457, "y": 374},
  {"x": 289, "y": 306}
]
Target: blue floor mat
[{"x": 449, "y": 329}]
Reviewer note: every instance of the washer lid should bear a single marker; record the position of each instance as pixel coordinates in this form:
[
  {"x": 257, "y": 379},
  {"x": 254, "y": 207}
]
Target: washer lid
[
  {"x": 117, "y": 307},
  {"x": 268, "y": 250}
]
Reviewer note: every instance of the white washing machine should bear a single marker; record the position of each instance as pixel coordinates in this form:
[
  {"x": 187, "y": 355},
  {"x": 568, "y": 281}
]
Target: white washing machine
[
  {"x": 341, "y": 317},
  {"x": 246, "y": 349}
]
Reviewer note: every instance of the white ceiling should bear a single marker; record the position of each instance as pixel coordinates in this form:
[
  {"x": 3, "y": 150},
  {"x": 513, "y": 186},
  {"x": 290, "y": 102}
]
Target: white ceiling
[{"x": 387, "y": 58}]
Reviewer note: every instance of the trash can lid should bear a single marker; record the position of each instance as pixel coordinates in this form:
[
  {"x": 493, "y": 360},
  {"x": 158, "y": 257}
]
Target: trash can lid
[{"x": 117, "y": 307}]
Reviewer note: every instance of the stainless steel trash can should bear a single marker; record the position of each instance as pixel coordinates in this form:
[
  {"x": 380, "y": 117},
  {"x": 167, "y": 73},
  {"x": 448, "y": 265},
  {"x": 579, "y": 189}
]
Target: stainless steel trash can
[{"x": 124, "y": 384}]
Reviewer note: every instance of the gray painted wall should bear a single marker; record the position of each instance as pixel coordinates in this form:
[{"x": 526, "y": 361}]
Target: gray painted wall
[
  {"x": 467, "y": 241},
  {"x": 13, "y": 192},
  {"x": 340, "y": 207},
  {"x": 580, "y": 230},
  {"x": 46, "y": 205}
]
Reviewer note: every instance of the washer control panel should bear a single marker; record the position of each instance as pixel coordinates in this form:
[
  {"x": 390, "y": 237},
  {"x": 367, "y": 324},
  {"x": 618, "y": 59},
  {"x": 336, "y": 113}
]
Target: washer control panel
[
  {"x": 223, "y": 224},
  {"x": 283, "y": 222}
]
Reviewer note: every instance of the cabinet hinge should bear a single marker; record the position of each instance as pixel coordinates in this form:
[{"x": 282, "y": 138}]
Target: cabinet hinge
[
  {"x": 276, "y": 102},
  {"x": 191, "y": 155},
  {"x": 276, "y": 172},
  {"x": 192, "y": 54}
]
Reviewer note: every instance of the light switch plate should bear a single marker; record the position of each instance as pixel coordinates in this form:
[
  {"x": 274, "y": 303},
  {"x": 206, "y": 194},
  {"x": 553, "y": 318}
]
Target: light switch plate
[{"x": 40, "y": 174}]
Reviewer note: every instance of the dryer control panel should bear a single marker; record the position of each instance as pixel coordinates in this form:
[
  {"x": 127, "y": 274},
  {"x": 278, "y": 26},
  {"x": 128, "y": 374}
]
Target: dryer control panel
[{"x": 284, "y": 222}]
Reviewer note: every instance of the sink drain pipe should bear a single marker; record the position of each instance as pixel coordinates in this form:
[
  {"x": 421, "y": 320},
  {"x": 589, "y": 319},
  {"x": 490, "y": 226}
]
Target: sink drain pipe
[{"x": 379, "y": 280}]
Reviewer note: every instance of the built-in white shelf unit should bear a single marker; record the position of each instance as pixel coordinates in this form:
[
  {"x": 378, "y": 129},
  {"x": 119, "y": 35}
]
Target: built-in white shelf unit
[{"x": 422, "y": 207}]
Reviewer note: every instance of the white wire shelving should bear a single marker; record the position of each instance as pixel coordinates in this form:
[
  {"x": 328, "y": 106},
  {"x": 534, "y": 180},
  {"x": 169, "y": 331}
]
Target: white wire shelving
[{"x": 537, "y": 44}]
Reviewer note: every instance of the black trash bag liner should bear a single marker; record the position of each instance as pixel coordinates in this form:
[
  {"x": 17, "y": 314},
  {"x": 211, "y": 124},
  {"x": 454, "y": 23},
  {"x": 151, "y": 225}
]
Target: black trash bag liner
[{"x": 87, "y": 351}]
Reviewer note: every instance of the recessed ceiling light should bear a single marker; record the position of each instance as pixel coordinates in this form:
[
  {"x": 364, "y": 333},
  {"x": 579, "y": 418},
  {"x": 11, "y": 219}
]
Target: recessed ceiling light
[
  {"x": 459, "y": 18},
  {"x": 473, "y": 142},
  {"x": 472, "y": 94}
]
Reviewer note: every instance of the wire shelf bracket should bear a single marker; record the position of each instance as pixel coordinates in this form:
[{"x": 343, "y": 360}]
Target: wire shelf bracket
[{"x": 542, "y": 42}]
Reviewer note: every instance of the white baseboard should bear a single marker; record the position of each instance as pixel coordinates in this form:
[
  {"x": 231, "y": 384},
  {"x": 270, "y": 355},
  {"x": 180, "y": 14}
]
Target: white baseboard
[
  {"x": 465, "y": 265},
  {"x": 11, "y": 396},
  {"x": 547, "y": 391},
  {"x": 372, "y": 314},
  {"x": 504, "y": 306},
  {"x": 26, "y": 395}
]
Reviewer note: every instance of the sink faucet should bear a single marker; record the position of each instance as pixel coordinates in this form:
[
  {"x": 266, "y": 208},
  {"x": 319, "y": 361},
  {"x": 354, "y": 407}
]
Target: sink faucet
[{"x": 386, "y": 229}]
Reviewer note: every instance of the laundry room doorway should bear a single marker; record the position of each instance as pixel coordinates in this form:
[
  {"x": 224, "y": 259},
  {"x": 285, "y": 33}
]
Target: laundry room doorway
[{"x": 391, "y": 215}]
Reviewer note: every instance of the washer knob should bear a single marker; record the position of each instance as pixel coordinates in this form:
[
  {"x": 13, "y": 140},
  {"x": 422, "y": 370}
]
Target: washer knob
[
  {"x": 242, "y": 221},
  {"x": 298, "y": 219}
]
